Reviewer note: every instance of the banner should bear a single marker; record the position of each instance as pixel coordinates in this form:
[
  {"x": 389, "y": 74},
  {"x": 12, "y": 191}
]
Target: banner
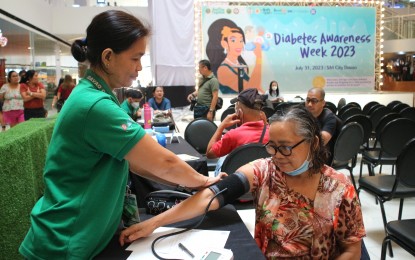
[{"x": 298, "y": 46}]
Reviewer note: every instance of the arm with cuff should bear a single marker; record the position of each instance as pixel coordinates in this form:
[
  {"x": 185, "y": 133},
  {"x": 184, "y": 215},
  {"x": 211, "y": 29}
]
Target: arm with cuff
[{"x": 233, "y": 186}]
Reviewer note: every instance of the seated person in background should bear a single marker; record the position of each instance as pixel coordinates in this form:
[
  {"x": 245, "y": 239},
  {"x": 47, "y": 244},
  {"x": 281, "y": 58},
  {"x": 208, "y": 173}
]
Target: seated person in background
[
  {"x": 329, "y": 123},
  {"x": 158, "y": 102},
  {"x": 274, "y": 92},
  {"x": 252, "y": 126},
  {"x": 303, "y": 208},
  {"x": 131, "y": 104}
]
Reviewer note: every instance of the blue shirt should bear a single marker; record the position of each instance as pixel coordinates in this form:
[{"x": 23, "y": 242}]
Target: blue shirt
[{"x": 164, "y": 105}]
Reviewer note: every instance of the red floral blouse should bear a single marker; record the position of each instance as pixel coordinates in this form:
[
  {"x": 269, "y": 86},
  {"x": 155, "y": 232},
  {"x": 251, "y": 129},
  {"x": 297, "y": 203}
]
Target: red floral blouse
[{"x": 289, "y": 224}]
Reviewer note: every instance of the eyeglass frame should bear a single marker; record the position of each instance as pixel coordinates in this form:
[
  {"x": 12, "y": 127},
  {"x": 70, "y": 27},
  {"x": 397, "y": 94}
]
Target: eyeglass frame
[
  {"x": 313, "y": 100},
  {"x": 277, "y": 148}
]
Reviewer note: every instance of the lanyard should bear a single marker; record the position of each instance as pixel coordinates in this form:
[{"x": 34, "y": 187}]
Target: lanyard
[{"x": 96, "y": 81}]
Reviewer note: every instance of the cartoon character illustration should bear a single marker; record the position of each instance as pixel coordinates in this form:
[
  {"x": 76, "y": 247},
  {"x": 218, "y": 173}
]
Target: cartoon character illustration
[{"x": 224, "y": 50}]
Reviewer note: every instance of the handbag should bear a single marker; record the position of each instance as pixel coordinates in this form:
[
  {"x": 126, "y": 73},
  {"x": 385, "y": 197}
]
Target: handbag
[
  {"x": 159, "y": 201},
  {"x": 59, "y": 104},
  {"x": 219, "y": 104}
]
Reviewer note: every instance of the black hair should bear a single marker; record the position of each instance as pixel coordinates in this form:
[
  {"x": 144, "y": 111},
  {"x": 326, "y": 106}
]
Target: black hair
[
  {"x": 9, "y": 75},
  {"x": 307, "y": 127},
  {"x": 270, "y": 88},
  {"x": 206, "y": 63},
  {"x": 133, "y": 93},
  {"x": 154, "y": 89},
  {"x": 214, "y": 50},
  {"x": 28, "y": 76},
  {"x": 113, "y": 29}
]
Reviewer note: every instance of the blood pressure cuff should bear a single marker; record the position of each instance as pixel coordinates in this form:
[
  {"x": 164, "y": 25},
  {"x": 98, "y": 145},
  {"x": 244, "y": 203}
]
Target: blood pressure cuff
[{"x": 236, "y": 185}]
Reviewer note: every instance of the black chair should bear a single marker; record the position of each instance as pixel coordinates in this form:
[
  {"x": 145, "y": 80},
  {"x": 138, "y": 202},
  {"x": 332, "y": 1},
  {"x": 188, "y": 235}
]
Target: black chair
[
  {"x": 377, "y": 114},
  {"x": 365, "y": 123},
  {"x": 347, "y": 147},
  {"x": 408, "y": 112},
  {"x": 346, "y": 107},
  {"x": 341, "y": 103},
  {"x": 350, "y": 111},
  {"x": 269, "y": 111},
  {"x": 198, "y": 134},
  {"x": 399, "y": 107},
  {"x": 393, "y": 137},
  {"x": 368, "y": 106},
  {"x": 388, "y": 187},
  {"x": 400, "y": 232},
  {"x": 393, "y": 103},
  {"x": 228, "y": 111},
  {"x": 355, "y": 104},
  {"x": 241, "y": 156},
  {"x": 331, "y": 106}
]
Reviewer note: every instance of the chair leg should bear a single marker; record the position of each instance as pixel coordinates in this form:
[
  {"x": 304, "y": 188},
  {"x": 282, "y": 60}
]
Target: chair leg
[
  {"x": 352, "y": 177},
  {"x": 386, "y": 242},
  {"x": 400, "y": 208},
  {"x": 361, "y": 168},
  {"x": 382, "y": 209},
  {"x": 380, "y": 169}
]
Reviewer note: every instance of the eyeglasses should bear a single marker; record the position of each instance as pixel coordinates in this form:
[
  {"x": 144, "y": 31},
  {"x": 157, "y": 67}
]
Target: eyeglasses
[
  {"x": 284, "y": 150},
  {"x": 312, "y": 100}
]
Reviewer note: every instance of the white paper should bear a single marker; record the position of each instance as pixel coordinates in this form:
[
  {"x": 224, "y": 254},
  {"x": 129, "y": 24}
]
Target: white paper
[
  {"x": 196, "y": 240},
  {"x": 187, "y": 157}
]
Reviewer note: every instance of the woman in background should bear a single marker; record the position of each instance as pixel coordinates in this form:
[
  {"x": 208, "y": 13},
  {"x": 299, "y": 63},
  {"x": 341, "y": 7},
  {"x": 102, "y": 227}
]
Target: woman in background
[
  {"x": 224, "y": 50},
  {"x": 34, "y": 94},
  {"x": 274, "y": 92},
  {"x": 64, "y": 90},
  {"x": 158, "y": 102},
  {"x": 13, "y": 112}
]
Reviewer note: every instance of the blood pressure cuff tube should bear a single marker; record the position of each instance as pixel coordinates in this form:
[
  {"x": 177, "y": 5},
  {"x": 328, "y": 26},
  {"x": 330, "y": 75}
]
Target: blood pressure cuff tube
[{"x": 236, "y": 184}]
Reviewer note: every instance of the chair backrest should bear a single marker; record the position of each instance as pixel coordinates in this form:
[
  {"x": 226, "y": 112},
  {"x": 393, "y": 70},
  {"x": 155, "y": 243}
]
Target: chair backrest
[
  {"x": 242, "y": 155},
  {"x": 346, "y": 107},
  {"x": 268, "y": 111},
  {"x": 368, "y": 106},
  {"x": 383, "y": 121},
  {"x": 351, "y": 111},
  {"x": 341, "y": 103},
  {"x": 405, "y": 165},
  {"x": 365, "y": 123},
  {"x": 377, "y": 114},
  {"x": 331, "y": 106},
  {"x": 198, "y": 133},
  {"x": 408, "y": 112},
  {"x": 396, "y": 134},
  {"x": 393, "y": 103},
  {"x": 348, "y": 142},
  {"x": 398, "y": 107},
  {"x": 355, "y": 104}
]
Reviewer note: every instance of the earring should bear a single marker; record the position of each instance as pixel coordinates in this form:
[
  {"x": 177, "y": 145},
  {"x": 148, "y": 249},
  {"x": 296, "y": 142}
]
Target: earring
[{"x": 225, "y": 51}]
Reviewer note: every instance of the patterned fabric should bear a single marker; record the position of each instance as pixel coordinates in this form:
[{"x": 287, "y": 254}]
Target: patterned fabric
[
  {"x": 12, "y": 98},
  {"x": 289, "y": 224}
]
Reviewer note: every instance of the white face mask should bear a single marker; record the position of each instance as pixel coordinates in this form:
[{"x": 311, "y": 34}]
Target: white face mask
[
  {"x": 135, "y": 104},
  {"x": 274, "y": 88}
]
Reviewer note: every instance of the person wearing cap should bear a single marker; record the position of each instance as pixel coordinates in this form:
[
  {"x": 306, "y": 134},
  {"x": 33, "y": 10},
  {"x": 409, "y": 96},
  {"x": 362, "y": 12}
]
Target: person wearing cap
[
  {"x": 329, "y": 123},
  {"x": 252, "y": 126},
  {"x": 207, "y": 93},
  {"x": 131, "y": 104}
]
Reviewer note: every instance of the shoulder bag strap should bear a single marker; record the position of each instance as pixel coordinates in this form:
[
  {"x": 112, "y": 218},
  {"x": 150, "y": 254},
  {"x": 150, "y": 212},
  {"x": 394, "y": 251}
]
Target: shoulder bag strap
[{"x": 263, "y": 133}]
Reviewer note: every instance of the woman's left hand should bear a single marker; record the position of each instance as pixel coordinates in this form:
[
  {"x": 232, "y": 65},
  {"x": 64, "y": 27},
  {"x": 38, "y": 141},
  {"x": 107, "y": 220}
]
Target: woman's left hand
[{"x": 136, "y": 231}]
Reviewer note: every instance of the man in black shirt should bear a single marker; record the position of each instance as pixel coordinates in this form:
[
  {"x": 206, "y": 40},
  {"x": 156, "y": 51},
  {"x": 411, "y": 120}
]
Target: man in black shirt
[{"x": 329, "y": 123}]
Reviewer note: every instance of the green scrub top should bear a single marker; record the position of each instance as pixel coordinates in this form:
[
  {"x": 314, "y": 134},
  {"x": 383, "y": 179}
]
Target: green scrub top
[{"x": 85, "y": 176}]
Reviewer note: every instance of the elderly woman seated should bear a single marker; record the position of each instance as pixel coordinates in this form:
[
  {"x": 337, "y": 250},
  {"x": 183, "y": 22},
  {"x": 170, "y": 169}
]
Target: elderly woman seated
[{"x": 304, "y": 209}]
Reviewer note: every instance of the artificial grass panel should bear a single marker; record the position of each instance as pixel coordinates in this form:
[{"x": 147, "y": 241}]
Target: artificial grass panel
[{"x": 22, "y": 156}]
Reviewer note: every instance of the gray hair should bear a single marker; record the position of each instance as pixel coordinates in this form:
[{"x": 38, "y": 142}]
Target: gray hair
[{"x": 305, "y": 126}]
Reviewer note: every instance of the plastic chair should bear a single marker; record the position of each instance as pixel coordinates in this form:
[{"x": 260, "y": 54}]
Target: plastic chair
[
  {"x": 331, "y": 106},
  {"x": 377, "y": 114},
  {"x": 347, "y": 147},
  {"x": 350, "y": 111},
  {"x": 341, "y": 103},
  {"x": 393, "y": 103},
  {"x": 408, "y": 112},
  {"x": 393, "y": 137},
  {"x": 368, "y": 106},
  {"x": 241, "y": 156},
  {"x": 366, "y": 124},
  {"x": 388, "y": 187},
  {"x": 399, "y": 107},
  {"x": 198, "y": 134},
  {"x": 346, "y": 107}
]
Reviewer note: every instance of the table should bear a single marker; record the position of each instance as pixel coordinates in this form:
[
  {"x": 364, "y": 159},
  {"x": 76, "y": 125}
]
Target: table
[
  {"x": 227, "y": 218},
  {"x": 141, "y": 186}
]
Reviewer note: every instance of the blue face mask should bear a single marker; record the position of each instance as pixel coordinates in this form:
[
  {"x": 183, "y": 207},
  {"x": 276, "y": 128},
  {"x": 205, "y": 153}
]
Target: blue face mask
[{"x": 304, "y": 167}]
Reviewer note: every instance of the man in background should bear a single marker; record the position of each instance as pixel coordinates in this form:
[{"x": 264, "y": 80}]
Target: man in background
[
  {"x": 252, "y": 128},
  {"x": 207, "y": 93},
  {"x": 131, "y": 104},
  {"x": 329, "y": 123}
]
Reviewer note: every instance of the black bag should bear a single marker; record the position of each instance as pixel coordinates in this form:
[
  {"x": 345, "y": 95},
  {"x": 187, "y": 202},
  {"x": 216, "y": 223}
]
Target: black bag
[
  {"x": 219, "y": 104},
  {"x": 200, "y": 111},
  {"x": 159, "y": 201},
  {"x": 59, "y": 104}
]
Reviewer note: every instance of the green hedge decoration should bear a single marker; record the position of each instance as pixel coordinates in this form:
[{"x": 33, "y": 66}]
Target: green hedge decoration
[{"x": 22, "y": 159}]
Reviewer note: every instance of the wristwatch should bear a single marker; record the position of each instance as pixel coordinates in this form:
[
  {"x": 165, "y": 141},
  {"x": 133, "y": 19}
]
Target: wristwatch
[{"x": 211, "y": 110}]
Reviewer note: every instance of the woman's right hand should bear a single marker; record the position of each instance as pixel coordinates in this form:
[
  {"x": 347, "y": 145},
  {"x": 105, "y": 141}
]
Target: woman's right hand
[{"x": 136, "y": 231}]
